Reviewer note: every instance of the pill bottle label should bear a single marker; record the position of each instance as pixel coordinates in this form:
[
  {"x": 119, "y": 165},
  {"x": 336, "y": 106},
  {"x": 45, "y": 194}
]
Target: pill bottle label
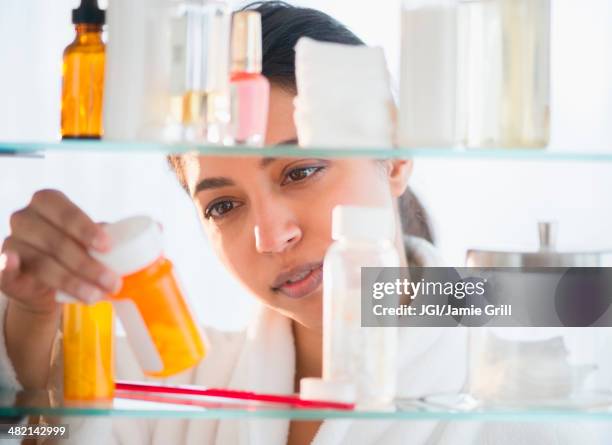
[{"x": 138, "y": 336}]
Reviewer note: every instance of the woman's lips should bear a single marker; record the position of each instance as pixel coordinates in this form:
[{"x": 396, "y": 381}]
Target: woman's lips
[{"x": 308, "y": 281}]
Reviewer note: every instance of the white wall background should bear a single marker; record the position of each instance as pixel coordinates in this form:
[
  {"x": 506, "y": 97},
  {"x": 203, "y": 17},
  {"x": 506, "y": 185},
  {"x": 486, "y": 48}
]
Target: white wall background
[{"x": 472, "y": 203}]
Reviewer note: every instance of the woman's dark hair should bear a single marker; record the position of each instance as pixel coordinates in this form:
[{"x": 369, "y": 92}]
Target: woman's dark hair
[{"x": 282, "y": 26}]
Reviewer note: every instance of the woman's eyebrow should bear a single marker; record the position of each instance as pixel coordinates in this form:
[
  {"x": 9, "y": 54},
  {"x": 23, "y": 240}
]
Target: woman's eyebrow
[
  {"x": 213, "y": 183},
  {"x": 218, "y": 182},
  {"x": 266, "y": 161}
]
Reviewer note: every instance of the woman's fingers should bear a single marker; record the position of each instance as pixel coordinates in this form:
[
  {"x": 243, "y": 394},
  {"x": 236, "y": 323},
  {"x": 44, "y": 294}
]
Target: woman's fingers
[
  {"x": 32, "y": 229},
  {"x": 48, "y": 272},
  {"x": 47, "y": 254},
  {"x": 54, "y": 206}
]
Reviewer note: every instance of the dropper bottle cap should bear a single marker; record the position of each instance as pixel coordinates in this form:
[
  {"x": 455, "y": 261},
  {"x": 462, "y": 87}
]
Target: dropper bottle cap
[
  {"x": 246, "y": 42},
  {"x": 88, "y": 13}
]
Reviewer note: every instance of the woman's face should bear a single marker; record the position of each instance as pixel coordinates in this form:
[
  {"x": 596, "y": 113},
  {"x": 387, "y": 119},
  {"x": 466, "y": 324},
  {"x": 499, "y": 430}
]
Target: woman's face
[{"x": 269, "y": 219}]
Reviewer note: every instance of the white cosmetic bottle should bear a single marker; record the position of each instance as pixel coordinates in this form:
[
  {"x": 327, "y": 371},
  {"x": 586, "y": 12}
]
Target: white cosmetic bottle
[
  {"x": 359, "y": 363},
  {"x": 428, "y": 75}
]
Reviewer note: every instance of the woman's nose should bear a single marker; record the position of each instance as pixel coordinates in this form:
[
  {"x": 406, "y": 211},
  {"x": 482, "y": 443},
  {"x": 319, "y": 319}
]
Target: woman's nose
[{"x": 276, "y": 230}]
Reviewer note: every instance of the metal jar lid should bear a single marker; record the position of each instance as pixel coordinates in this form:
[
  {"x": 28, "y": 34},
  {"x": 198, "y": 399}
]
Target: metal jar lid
[{"x": 546, "y": 256}]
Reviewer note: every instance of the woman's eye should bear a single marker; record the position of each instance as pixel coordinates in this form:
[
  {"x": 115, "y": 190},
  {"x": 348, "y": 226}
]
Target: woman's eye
[
  {"x": 220, "y": 209},
  {"x": 299, "y": 174}
]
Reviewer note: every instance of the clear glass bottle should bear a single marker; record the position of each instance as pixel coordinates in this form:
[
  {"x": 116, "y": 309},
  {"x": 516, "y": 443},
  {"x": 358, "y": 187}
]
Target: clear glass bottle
[
  {"x": 362, "y": 356},
  {"x": 199, "y": 71},
  {"x": 151, "y": 306},
  {"x": 428, "y": 74},
  {"x": 167, "y": 71},
  {"x": 505, "y": 72},
  {"x": 83, "y": 75},
  {"x": 250, "y": 91}
]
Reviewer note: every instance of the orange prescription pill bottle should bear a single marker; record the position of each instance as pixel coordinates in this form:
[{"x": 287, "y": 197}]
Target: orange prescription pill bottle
[
  {"x": 88, "y": 351},
  {"x": 158, "y": 323}
]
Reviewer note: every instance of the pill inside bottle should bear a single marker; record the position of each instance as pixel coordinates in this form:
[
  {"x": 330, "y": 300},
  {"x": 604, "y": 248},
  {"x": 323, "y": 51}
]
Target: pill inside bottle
[{"x": 88, "y": 351}]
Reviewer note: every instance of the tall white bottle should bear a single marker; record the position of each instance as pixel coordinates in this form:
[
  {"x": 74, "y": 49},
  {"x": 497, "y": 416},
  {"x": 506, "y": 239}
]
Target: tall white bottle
[
  {"x": 361, "y": 356},
  {"x": 428, "y": 75}
]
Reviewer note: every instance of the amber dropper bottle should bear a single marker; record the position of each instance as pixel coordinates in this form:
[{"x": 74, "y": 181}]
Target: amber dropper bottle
[{"x": 83, "y": 75}]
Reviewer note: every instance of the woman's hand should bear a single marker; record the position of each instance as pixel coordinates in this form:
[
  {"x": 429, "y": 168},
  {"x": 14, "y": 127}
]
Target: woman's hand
[{"x": 47, "y": 253}]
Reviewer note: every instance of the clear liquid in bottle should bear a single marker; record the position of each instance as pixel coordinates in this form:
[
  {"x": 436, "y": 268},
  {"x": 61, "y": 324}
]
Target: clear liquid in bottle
[{"x": 505, "y": 72}]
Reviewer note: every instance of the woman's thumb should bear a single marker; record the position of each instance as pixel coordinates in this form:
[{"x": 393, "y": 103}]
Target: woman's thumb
[{"x": 9, "y": 266}]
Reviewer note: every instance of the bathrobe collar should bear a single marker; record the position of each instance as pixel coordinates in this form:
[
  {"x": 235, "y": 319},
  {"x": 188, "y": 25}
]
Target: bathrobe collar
[{"x": 267, "y": 365}]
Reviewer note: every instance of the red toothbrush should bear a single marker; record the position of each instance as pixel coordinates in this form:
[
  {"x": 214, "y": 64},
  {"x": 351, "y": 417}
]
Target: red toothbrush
[{"x": 231, "y": 394}]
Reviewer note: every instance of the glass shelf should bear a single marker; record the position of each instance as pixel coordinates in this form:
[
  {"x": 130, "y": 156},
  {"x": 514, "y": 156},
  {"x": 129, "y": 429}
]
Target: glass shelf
[
  {"x": 449, "y": 407},
  {"x": 94, "y": 146}
]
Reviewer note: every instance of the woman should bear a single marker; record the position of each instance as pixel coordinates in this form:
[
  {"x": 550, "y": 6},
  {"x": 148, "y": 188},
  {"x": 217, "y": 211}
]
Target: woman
[{"x": 269, "y": 222}]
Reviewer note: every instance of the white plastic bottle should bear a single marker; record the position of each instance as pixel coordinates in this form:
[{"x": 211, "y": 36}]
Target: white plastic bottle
[
  {"x": 359, "y": 363},
  {"x": 428, "y": 74}
]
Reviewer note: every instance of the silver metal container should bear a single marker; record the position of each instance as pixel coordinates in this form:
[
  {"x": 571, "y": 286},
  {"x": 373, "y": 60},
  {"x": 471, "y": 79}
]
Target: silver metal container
[
  {"x": 548, "y": 367},
  {"x": 546, "y": 256}
]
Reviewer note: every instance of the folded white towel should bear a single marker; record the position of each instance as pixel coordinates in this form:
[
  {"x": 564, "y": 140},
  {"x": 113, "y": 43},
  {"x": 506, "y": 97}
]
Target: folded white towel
[{"x": 344, "y": 97}]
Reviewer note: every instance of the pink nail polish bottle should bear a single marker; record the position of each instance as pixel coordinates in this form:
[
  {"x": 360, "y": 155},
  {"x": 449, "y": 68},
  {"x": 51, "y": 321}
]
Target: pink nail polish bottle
[{"x": 250, "y": 90}]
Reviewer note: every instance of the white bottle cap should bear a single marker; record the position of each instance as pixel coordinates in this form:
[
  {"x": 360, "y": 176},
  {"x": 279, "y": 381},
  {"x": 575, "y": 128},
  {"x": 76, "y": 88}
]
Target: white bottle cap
[
  {"x": 312, "y": 388},
  {"x": 370, "y": 223},
  {"x": 136, "y": 242}
]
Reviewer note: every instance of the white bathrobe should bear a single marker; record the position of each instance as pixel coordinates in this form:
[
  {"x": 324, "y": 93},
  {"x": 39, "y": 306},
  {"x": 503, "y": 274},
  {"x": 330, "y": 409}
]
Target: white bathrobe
[{"x": 262, "y": 359}]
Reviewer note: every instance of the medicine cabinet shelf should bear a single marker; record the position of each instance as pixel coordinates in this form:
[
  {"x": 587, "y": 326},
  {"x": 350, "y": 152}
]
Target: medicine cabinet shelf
[
  {"x": 93, "y": 146},
  {"x": 34, "y": 403}
]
